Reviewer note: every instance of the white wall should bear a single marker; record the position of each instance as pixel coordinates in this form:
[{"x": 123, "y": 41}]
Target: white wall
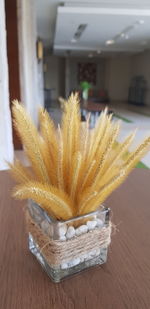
[
  {"x": 120, "y": 70},
  {"x": 40, "y": 84},
  {"x": 117, "y": 77},
  {"x": 30, "y": 71},
  {"x": 6, "y": 144},
  {"x": 54, "y": 77}
]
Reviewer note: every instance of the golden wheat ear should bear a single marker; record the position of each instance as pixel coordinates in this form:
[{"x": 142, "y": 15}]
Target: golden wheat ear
[
  {"x": 137, "y": 154},
  {"x": 53, "y": 200},
  {"x": 49, "y": 134},
  {"x": 76, "y": 166},
  {"x": 113, "y": 162},
  {"x": 20, "y": 173},
  {"x": 30, "y": 139},
  {"x": 70, "y": 126},
  {"x": 120, "y": 176},
  {"x": 60, "y": 174},
  {"x": 110, "y": 139}
]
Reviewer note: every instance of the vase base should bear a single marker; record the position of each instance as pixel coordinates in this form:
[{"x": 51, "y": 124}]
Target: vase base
[{"x": 58, "y": 274}]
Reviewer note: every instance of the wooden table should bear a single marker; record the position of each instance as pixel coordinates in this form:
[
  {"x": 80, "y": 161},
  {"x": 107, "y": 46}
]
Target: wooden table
[
  {"x": 95, "y": 107},
  {"x": 122, "y": 283}
]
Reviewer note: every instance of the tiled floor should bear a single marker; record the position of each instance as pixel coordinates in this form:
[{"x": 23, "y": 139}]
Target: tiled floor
[{"x": 139, "y": 121}]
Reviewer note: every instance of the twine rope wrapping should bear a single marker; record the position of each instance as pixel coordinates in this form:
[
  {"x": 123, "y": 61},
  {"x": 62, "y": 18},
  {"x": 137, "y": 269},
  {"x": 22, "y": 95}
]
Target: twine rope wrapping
[{"x": 57, "y": 252}]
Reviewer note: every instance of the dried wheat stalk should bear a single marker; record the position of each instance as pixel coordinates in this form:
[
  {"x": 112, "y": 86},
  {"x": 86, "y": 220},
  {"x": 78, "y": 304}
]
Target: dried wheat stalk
[{"x": 72, "y": 170}]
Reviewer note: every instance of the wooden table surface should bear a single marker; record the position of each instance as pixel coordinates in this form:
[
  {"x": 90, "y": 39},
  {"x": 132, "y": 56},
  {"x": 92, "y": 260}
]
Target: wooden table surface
[
  {"x": 95, "y": 107},
  {"x": 122, "y": 283}
]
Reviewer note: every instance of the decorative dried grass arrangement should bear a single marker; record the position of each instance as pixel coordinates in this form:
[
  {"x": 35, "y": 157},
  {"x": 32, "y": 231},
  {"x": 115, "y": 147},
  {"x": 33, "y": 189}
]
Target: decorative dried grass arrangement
[{"x": 73, "y": 170}]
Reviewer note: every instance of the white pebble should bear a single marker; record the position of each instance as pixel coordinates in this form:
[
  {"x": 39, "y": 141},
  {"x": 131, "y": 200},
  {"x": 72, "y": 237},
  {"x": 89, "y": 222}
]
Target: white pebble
[
  {"x": 88, "y": 257},
  {"x": 99, "y": 222},
  {"x": 47, "y": 228},
  {"x": 70, "y": 232},
  {"x": 62, "y": 238},
  {"x": 62, "y": 229},
  {"x": 81, "y": 230},
  {"x": 91, "y": 224},
  {"x": 64, "y": 265},
  {"x": 74, "y": 262},
  {"x": 98, "y": 252},
  {"x": 92, "y": 253},
  {"x": 82, "y": 259}
]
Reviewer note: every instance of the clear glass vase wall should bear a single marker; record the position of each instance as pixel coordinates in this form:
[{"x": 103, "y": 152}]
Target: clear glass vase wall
[{"x": 67, "y": 233}]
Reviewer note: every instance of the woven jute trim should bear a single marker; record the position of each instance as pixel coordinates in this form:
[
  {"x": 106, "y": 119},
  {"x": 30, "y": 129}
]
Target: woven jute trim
[{"x": 57, "y": 252}]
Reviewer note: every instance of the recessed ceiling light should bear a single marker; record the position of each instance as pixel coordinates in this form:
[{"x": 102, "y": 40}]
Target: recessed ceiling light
[
  {"x": 110, "y": 42},
  {"x": 81, "y": 28},
  {"x": 73, "y": 40}
]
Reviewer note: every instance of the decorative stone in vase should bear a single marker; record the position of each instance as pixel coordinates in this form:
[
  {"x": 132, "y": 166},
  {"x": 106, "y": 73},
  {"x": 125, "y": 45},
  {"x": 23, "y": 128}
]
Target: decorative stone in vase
[{"x": 64, "y": 248}]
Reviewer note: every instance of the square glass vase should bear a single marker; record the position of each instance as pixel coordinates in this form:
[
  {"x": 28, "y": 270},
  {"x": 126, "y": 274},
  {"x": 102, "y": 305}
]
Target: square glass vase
[{"x": 64, "y": 248}]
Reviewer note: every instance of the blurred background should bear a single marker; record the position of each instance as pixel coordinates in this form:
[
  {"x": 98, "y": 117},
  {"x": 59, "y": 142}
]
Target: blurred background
[{"x": 50, "y": 48}]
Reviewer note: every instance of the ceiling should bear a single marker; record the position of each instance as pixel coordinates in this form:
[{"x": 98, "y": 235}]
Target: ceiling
[{"x": 124, "y": 24}]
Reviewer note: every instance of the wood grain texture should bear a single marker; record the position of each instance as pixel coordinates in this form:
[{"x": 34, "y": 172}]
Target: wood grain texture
[{"x": 122, "y": 283}]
